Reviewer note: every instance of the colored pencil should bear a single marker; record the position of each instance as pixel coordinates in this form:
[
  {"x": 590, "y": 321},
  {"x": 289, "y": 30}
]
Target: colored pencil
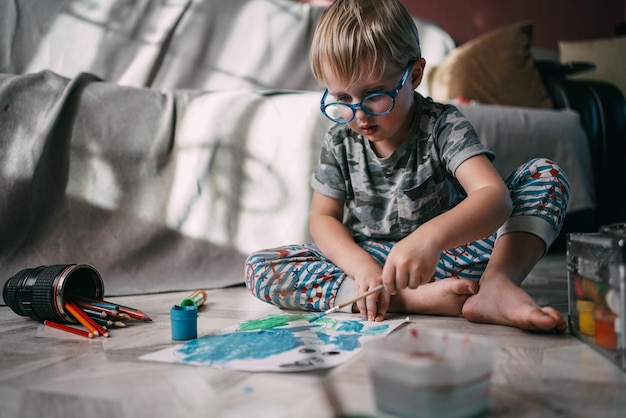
[
  {"x": 99, "y": 304},
  {"x": 103, "y": 322},
  {"x": 119, "y": 315},
  {"x": 104, "y": 307},
  {"x": 67, "y": 328},
  {"x": 109, "y": 323},
  {"x": 108, "y": 313},
  {"x": 80, "y": 318},
  {"x": 347, "y": 303},
  {"x": 93, "y": 312},
  {"x": 89, "y": 319},
  {"x": 132, "y": 312}
]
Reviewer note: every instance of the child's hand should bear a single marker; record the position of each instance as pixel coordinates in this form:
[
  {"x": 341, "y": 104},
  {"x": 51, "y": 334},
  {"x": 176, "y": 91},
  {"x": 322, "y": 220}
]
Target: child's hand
[
  {"x": 410, "y": 263},
  {"x": 373, "y": 307}
]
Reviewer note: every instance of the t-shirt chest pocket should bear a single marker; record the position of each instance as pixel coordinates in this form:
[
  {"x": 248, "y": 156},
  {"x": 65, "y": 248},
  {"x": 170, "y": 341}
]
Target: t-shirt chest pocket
[{"x": 417, "y": 205}]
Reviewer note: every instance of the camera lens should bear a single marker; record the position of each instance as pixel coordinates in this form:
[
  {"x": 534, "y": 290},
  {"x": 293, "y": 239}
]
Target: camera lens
[{"x": 39, "y": 292}]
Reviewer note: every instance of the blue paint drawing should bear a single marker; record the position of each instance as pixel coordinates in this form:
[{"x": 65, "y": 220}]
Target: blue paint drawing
[
  {"x": 278, "y": 342},
  {"x": 346, "y": 342},
  {"x": 218, "y": 350},
  {"x": 376, "y": 329},
  {"x": 351, "y": 326},
  {"x": 323, "y": 337}
]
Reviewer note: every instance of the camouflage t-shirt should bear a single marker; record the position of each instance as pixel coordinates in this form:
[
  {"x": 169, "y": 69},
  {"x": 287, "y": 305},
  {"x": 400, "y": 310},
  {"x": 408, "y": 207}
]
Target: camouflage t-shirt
[{"x": 388, "y": 198}]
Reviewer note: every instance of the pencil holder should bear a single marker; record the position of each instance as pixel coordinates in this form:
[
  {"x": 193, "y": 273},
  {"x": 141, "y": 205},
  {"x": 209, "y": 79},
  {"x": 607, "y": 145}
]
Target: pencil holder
[
  {"x": 184, "y": 322},
  {"x": 40, "y": 292}
]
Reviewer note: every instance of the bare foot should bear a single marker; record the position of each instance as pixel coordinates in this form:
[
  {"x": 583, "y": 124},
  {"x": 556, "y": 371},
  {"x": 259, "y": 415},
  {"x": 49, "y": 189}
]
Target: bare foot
[
  {"x": 443, "y": 297},
  {"x": 500, "y": 301}
]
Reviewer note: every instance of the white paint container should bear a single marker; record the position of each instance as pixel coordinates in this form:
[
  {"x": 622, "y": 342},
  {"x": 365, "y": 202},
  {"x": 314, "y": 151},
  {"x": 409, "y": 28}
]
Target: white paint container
[{"x": 428, "y": 373}]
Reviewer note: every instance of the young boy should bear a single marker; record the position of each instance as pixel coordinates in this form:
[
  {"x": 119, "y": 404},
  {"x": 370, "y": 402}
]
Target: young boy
[{"x": 406, "y": 196}]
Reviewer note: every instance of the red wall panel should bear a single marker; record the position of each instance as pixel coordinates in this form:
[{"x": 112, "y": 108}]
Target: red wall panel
[{"x": 554, "y": 19}]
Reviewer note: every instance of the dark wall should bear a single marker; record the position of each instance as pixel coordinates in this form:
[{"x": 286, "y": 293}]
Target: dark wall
[{"x": 554, "y": 19}]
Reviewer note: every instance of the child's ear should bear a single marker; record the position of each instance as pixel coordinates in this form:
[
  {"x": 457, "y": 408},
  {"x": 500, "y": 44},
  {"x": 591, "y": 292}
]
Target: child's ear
[{"x": 417, "y": 72}]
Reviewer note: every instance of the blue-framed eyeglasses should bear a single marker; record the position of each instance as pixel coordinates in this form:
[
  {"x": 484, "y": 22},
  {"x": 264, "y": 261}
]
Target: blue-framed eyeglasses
[{"x": 379, "y": 103}]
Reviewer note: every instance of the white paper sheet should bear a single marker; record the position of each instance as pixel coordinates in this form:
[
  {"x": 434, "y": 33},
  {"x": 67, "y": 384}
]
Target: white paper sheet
[{"x": 280, "y": 343}]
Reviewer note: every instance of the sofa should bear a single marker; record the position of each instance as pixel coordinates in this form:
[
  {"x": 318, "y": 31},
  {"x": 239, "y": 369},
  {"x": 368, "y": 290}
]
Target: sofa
[{"x": 163, "y": 141}]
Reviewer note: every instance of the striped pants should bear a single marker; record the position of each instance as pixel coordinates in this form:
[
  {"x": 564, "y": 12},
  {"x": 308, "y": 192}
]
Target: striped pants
[{"x": 301, "y": 277}]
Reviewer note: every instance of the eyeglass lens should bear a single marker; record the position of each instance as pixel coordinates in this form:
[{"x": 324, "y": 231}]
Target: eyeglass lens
[{"x": 375, "y": 105}]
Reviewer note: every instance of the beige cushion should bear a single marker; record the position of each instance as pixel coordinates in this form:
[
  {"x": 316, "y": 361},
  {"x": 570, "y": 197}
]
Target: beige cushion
[
  {"x": 608, "y": 54},
  {"x": 494, "y": 68}
]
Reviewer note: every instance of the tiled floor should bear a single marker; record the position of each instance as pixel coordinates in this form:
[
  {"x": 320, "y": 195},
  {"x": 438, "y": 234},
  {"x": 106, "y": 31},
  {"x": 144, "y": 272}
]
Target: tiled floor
[{"x": 42, "y": 375}]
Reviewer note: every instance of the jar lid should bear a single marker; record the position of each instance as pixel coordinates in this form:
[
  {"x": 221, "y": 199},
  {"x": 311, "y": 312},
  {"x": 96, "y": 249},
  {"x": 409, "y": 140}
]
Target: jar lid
[{"x": 184, "y": 312}]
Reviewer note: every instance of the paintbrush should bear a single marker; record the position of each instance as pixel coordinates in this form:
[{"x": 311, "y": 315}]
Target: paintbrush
[{"x": 350, "y": 302}]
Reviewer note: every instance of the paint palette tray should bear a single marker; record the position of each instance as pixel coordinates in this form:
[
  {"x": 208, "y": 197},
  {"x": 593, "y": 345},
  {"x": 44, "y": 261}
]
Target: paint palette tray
[{"x": 596, "y": 277}]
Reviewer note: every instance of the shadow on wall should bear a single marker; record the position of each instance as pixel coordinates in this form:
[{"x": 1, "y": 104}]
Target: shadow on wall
[
  {"x": 209, "y": 45},
  {"x": 159, "y": 190}
]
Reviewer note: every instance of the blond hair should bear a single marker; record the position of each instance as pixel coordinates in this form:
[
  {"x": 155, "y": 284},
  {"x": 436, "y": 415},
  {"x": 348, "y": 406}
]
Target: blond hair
[{"x": 356, "y": 38}]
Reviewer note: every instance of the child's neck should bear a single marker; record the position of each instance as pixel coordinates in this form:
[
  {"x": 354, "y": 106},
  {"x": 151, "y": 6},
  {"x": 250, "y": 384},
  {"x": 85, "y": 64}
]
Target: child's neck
[{"x": 383, "y": 149}]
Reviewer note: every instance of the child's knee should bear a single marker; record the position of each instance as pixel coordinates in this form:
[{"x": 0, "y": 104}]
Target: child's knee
[
  {"x": 539, "y": 179},
  {"x": 543, "y": 168},
  {"x": 539, "y": 189}
]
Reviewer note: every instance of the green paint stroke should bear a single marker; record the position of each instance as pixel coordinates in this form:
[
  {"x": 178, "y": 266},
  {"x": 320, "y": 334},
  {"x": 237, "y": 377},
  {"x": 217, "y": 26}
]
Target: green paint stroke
[
  {"x": 271, "y": 321},
  {"x": 328, "y": 322},
  {"x": 281, "y": 320}
]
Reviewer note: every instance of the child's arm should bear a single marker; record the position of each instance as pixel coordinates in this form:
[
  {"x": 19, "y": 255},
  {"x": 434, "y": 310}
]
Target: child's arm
[
  {"x": 336, "y": 242},
  {"x": 412, "y": 261}
]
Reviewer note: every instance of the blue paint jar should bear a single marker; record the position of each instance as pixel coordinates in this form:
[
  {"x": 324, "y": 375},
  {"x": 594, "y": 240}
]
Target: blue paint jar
[{"x": 184, "y": 322}]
